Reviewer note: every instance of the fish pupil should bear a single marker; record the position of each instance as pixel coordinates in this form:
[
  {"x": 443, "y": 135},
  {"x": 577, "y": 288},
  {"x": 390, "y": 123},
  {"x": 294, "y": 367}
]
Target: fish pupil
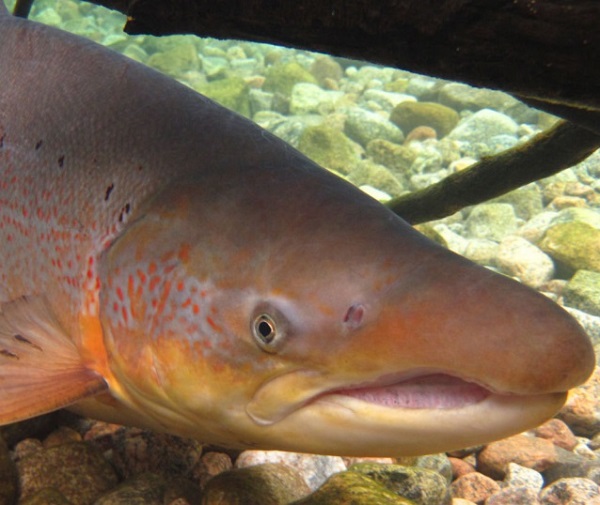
[{"x": 266, "y": 330}]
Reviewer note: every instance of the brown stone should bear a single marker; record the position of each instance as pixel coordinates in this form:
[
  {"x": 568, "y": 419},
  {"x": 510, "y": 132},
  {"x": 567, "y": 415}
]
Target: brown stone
[
  {"x": 460, "y": 467},
  {"x": 530, "y": 452},
  {"x": 474, "y": 487},
  {"x": 558, "y": 433}
]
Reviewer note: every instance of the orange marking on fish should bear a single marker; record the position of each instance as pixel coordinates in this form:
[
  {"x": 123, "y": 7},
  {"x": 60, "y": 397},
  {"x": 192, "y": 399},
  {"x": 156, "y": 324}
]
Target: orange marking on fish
[
  {"x": 184, "y": 253},
  {"x": 213, "y": 325},
  {"x": 154, "y": 281}
]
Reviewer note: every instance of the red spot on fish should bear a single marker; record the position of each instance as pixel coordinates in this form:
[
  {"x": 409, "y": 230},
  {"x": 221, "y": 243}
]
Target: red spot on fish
[
  {"x": 180, "y": 286},
  {"x": 120, "y": 294},
  {"x": 154, "y": 281},
  {"x": 141, "y": 275},
  {"x": 115, "y": 306},
  {"x": 152, "y": 268},
  {"x": 196, "y": 309},
  {"x": 125, "y": 315},
  {"x": 213, "y": 325},
  {"x": 184, "y": 253},
  {"x": 186, "y": 303}
]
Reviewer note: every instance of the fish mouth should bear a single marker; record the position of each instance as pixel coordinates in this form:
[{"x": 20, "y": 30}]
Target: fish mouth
[
  {"x": 430, "y": 391},
  {"x": 420, "y": 389}
]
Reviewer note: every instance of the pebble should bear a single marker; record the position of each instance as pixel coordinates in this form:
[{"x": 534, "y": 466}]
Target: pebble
[
  {"x": 267, "y": 484},
  {"x": 474, "y": 487},
  {"x": 530, "y": 452},
  {"x": 521, "y": 259},
  {"x": 575, "y": 491},
  {"x": 315, "y": 470}
]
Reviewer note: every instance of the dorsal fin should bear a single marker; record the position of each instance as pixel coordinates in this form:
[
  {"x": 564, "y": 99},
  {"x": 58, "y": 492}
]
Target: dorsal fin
[
  {"x": 3, "y": 9},
  {"x": 40, "y": 367}
]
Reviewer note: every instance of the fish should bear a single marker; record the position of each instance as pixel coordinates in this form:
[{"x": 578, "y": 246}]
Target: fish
[{"x": 168, "y": 264}]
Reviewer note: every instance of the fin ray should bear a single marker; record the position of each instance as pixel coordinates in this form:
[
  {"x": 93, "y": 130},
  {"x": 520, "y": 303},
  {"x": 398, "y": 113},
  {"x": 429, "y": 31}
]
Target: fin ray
[{"x": 40, "y": 367}]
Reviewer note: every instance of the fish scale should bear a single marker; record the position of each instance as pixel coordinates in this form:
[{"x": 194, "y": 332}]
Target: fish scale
[{"x": 168, "y": 264}]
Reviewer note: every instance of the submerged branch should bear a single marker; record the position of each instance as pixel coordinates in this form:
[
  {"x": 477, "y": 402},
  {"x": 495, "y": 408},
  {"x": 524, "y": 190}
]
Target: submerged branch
[{"x": 547, "y": 153}]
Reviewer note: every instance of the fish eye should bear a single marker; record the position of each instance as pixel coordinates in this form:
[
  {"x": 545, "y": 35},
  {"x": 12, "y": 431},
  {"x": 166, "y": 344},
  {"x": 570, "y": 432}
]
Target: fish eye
[{"x": 264, "y": 330}]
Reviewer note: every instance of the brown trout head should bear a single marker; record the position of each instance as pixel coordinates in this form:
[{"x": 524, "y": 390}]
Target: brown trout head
[{"x": 295, "y": 313}]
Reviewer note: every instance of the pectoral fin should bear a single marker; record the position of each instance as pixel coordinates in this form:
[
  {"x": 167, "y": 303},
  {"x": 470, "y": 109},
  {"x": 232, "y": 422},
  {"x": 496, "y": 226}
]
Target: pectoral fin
[{"x": 40, "y": 367}]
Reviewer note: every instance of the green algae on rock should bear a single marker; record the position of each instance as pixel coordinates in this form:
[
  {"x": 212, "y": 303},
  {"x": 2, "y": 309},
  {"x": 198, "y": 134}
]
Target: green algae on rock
[
  {"x": 583, "y": 292},
  {"x": 282, "y": 77},
  {"x": 353, "y": 488},
  {"x": 230, "y": 92},
  {"x": 409, "y": 115},
  {"x": 421, "y": 485},
  {"x": 575, "y": 244},
  {"x": 330, "y": 148}
]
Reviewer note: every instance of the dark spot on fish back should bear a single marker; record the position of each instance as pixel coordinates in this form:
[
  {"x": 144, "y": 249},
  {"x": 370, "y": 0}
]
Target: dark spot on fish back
[
  {"x": 124, "y": 211},
  {"x": 61, "y": 161},
  {"x": 2, "y": 140},
  {"x": 109, "y": 191},
  {"x": 38, "y": 144},
  {"x": 354, "y": 315}
]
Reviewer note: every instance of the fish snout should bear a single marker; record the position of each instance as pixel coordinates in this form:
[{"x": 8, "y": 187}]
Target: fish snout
[{"x": 482, "y": 327}]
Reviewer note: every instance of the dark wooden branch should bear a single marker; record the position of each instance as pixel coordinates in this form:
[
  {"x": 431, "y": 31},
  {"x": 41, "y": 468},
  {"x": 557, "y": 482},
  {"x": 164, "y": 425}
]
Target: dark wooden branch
[
  {"x": 547, "y": 50},
  {"x": 549, "y": 152}
]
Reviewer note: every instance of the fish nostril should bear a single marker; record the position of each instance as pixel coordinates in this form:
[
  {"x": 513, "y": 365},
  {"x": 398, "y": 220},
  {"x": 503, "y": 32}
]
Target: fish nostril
[{"x": 354, "y": 315}]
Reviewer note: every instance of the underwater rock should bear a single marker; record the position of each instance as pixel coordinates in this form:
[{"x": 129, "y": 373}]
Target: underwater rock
[
  {"x": 587, "y": 216},
  {"x": 575, "y": 244},
  {"x": 135, "y": 451},
  {"x": 266, "y": 484},
  {"x": 363, "y": 126},
  {"x": 474, "y": 487},
  {"x": 461, "y": 96},
  {"x": 558, "y": 433},
  {"x": 383, "y": 100},
  {"x": 420, "y": 134},
  {"x": 325, "y": 69},
  {"x": 420, "y": 86},
  {"x": 583, "y": 292},
  {"x": 330, "y": 148},
  {"x": 211, "y": 464},
  {"x": 482, "y": 251},
  {"x": 527, "y": 201},
  {"x": 519, "y": 258},
  {"x": 307, "y": 98},
  {"x": 535, "y": 229},
  {"x": 438, "y": 463},
  {"x": 491, "y": 221},
  {"x": 8, "y": 475},
  {"x": 282, "y": 77},
  {"x": 352, "y": 488},
  {"x": 176, "y": 60},
  {"x": 76, "y": 469},
  {"x": 367, "y": 172},
  {"x": 34, "y": 427},
  {"x": 581, "y": 412},
  {"x": 47, "y": 496},
  {"x": 420, "y": 485},
  {"x": 574, "y": 491},
  {"x": 314, "y": 469},
  {"x": 409, "y": 115},
  {"x": 231, "y": 92},
  {"x": 482, "y": 126},
  {"x": 393, "y": 156},
  {"x": 530, "y": 452},
  {"x": 514, "y": 496},
  {"x": 151, "y": 489},
  {"x": 520, "y": 476}
]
